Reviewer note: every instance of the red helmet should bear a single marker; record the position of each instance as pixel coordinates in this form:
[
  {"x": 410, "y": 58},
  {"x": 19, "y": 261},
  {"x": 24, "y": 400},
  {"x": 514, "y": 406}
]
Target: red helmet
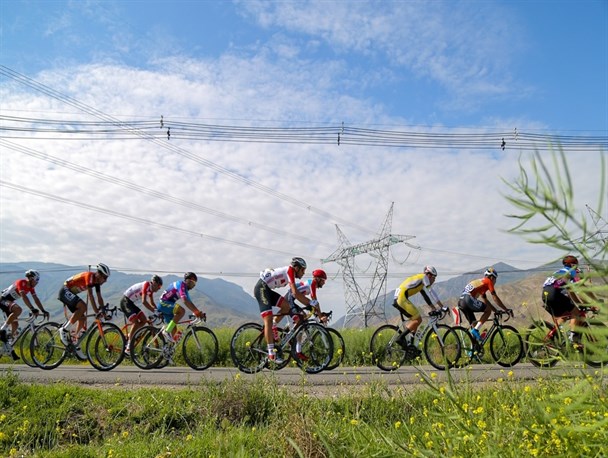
[
  {"x": 570, "y": 261},
  {"x": 319, "y": 273}
]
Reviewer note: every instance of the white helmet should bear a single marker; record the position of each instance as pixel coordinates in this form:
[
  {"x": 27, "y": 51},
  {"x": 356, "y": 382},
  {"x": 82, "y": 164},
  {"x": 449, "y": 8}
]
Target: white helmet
[
  {"x": 33, "y": 274},
  {"x": 103, "y": 269},
  {"x": 491, "y": 272},
  {"x": 430, "y": 270}
]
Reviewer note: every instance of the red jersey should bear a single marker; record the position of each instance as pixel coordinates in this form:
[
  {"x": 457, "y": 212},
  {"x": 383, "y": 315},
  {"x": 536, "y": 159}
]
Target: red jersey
[
  {"x": 14, "y": 291},
  {"x": 479, "y": 287}
]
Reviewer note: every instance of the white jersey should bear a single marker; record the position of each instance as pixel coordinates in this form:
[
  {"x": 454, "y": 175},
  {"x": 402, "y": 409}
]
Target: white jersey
[
  {"x": 279, "y": 277},
  {"x": 137, "y": 291}
]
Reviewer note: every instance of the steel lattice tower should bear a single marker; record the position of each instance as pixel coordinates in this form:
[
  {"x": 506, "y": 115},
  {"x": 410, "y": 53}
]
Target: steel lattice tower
[{"x": 362, "y": 302}]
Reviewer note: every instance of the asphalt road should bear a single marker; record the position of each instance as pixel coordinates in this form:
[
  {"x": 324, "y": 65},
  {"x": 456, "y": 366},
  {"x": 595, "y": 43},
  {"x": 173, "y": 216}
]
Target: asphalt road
[{"x": 340, "y": 379}]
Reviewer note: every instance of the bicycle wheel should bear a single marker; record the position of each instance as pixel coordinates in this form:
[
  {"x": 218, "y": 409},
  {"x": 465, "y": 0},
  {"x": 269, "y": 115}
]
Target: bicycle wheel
[
  {"x": 594, "y": 339},
  {"x": 468, "y": 349},
  {"x": 147, "y": 347},
  {"x": 506, "y": 346},
  {"x": 200, "y": 348},
  {"x": 23, "y": 349},
  {"x": 316, "y": 348},
  {"x": 442, "y": 347},
  {"x": 541, "y": 349},
  {"x": 46, "y": 347},
  {"x": 339, "y": 349},
  {"x": 248, "y": 348},
  {"x": 106, "y": 349},
  {"x": 387, "y": 354}
]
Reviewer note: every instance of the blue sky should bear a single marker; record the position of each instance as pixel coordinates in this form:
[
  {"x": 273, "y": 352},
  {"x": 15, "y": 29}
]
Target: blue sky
[{"x": 440, "y": 67}]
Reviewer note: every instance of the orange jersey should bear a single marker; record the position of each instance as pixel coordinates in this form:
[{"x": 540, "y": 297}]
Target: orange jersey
[
  {"x": 479, "y": 287},
  {"x": 80, "y": 282}
]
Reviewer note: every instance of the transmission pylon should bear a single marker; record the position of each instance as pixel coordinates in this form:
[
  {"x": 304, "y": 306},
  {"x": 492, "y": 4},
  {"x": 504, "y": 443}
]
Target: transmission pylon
[
  {"x": 362, "y": 300},
  {"x": 598, "y": 240}
]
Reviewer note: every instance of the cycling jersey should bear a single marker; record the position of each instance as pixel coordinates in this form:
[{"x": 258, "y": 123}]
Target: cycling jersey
[
  {"x": 279, "y": 277},
  {"x": 176, "y": 291},
  {"x": 415, "y": 284},
  {"x": 138, "y": 291},
  {"x": 479, "y": 287},
  {"x": 13, "y": 292},
  {"x": 80, "y": 282},
  {"x": 308, "y": 288},
  {"x": 561, "y": 278}
]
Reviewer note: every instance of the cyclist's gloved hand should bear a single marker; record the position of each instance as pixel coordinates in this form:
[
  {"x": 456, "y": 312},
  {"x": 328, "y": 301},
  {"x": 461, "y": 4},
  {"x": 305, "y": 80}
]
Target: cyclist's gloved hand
[
  {"x": 200, "y": 315},
  {"x": 46, "y": 315},
  {"x": 313, "y": 303},
  {"x": 35, "y": 312},
  {"x": 444, "y": 309}
]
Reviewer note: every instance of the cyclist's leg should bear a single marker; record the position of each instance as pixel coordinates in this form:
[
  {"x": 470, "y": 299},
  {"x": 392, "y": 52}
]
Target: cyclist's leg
[
  {"x": 178, "y": 313},
  {"x": 266, "y": 299},
  {"x": 13, "y": 317},
  {"x": 411, "y": 311},
  {"x": 78, "y": 309},
  {"x": 12, "y": 312},
  {"x": 135, "y": 317}
]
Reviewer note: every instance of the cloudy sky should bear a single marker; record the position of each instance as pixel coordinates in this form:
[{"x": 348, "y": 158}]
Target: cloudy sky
[{"x": 254, "y": 95}]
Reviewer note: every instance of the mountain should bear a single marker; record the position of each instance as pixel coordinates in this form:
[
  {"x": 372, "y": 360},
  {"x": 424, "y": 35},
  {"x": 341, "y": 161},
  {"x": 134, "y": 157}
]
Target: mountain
[{"x": 226, "y": 304}]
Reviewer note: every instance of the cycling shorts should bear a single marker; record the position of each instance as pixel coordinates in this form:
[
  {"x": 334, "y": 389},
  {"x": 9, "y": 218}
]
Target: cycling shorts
[
  {"x": 266, "y": 297},
  {"x": 130, "y": 310},
  {"x": 469, "y": 306},
  {"x": 168, "y": 310},
  {"x": 69, "y": 299},
  {"x": 6, "y": 306},
  {"x": 557, "y": 303},
  {"x": 404, "y": 305}
]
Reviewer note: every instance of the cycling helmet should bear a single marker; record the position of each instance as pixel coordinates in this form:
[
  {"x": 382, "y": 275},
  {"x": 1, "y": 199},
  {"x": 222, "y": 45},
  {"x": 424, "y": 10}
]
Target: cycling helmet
[
  {"x": 319, "y": 273},
  {"x": 491, "y": 273},
  {"x": 570, "y": 261},
  {"x": 298, "y": 262},
  {"x": 190, "y": 276},
  {"x": 33, "y": 274},
  {"x": 430, "y": 270},
  {"x": 103, "y": 269},
  {"x": 156, "y": 279}
]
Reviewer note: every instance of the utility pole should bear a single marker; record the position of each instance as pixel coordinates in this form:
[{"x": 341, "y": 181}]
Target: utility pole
[{"x": 362, "y": 302}]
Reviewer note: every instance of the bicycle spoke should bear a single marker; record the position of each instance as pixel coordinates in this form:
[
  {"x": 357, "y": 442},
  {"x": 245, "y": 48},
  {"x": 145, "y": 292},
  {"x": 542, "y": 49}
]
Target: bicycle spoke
[
  {"x": 442, "y": 347},
  {"x": 386, "y": 353},
  {"x": 248, "y": 348}
]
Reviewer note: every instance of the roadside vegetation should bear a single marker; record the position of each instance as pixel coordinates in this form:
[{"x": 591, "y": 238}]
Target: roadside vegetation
[{"x": 247, "y": 419}]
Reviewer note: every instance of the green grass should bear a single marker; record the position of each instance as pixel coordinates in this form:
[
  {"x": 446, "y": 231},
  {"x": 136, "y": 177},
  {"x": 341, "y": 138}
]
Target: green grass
[{"x": 508, "y": 418}]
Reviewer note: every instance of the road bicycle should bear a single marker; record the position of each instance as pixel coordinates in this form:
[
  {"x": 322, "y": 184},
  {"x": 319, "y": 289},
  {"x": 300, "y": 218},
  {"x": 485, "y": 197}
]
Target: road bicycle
[
  {"x": 505, "y": 342},
  {"x": 20, "y": 344},
  {"x": 249, "y": 351},
  {"x": 103, "y": 343},
  {"x": 439, "y": 342},
  {"x": 155, "y": 320},
  {"x": 547, "y": 343},
  {"x": 150, "y": 350}
]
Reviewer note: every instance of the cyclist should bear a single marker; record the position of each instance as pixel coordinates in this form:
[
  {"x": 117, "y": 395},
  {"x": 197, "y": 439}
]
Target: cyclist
[
  {"x": 174, "y": 312},
  {"x": 139, "y": 293},
  {"x": 560, "y": 300},
  {"x": 8, "y": 297},
  {"x": 419, "y": 283},
  {"x": 289, "y": 307},
  {"x": 474, "y": 299},
  {"x": 68, "y": 295},
  {"x": 271, "y": 279}
]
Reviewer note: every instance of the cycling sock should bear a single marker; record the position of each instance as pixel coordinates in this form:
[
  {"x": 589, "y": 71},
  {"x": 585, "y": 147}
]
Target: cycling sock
[
  {"x": 271, "y": 350},
  {"x": 171, "y": 326},
  {"x": 478, "y": 325},
  {"x": 3, "y": 327}
]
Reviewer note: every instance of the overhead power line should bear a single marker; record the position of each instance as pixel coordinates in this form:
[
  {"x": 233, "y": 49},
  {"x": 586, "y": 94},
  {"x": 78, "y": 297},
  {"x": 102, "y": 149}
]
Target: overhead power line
[
  {"x": 135, "y": 131},
  {"x": 162, "y": 130}
]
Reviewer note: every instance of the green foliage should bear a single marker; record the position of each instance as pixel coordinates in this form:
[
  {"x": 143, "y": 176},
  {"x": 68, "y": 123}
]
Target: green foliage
[{"x": 243, "y": 419}]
